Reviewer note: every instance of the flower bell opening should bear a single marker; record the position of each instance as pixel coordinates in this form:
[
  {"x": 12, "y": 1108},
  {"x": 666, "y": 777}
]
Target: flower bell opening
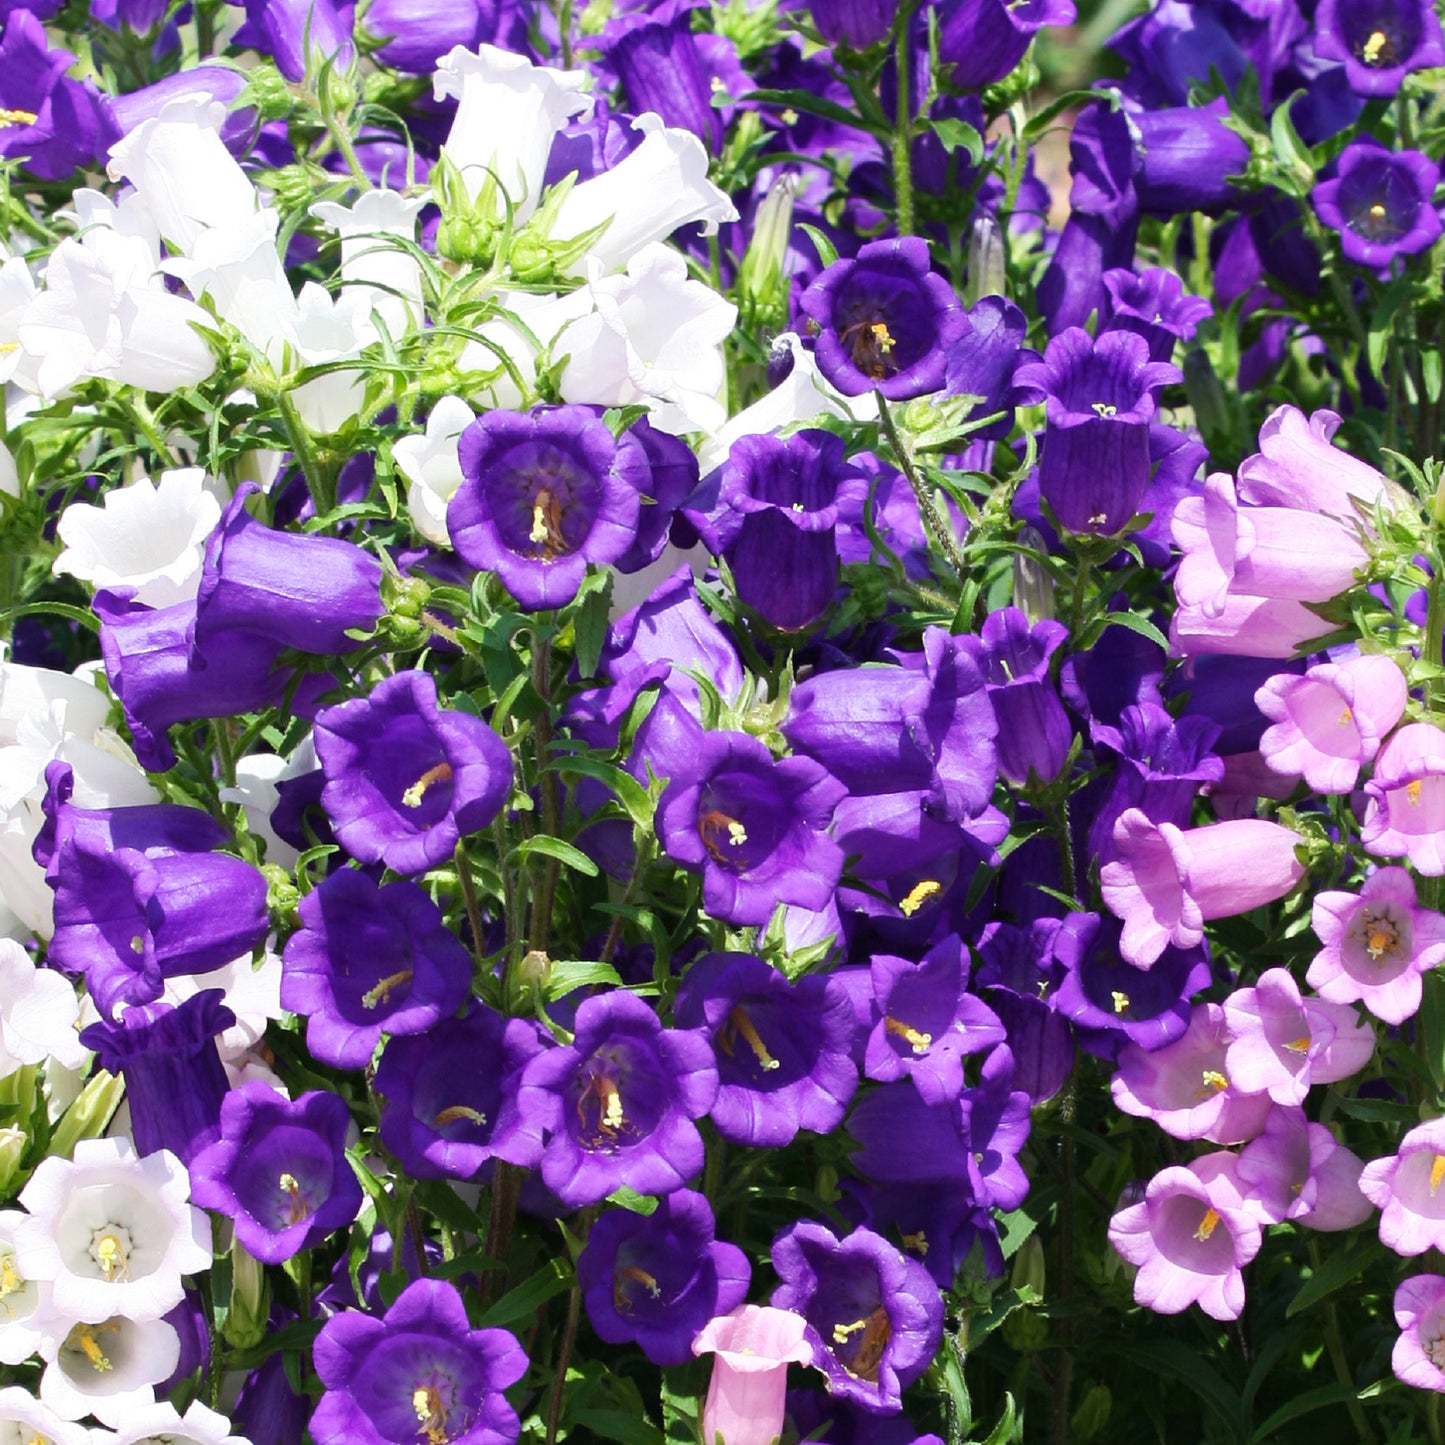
[
  {"x": 739, "y": 1024},
  {"x": 431, "y": 1411},
  {"x": 870, "y": 343},
  {"x": 82, "y": 1342},
  {"x": 859, "y": 1344},
  {"x": 412, "y": 797},
  {"x": 110, "y": 1249}
]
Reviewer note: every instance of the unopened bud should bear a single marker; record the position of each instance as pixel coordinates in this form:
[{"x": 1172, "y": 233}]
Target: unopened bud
[
  {"x": 88, "y": 1116},
  {"x": 1028, "y": 1268},
  {"x": 762, "y": 286},
  {"x": 1033, "y": 586},
  {"x": 13, "y": 1143},
  {"x": 1088, "y": 1421},
  {"x": 250, "y": 1300},
  {"x": 987, "y": 260}
]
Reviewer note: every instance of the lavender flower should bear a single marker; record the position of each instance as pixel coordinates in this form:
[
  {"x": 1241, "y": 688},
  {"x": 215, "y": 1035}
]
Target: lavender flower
[
  {"x": 1405, "y": 1187},
  {"x": 1419, "y": 1354}
]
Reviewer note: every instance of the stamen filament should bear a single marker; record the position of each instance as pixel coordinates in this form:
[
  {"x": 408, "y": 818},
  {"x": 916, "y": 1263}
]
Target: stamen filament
[
  {"x": 1207, "y": 1225},
  {"x": 382, "y": 992},
  {"x": 414, "y": 794},
  {"x": 917, "y": 1040}
]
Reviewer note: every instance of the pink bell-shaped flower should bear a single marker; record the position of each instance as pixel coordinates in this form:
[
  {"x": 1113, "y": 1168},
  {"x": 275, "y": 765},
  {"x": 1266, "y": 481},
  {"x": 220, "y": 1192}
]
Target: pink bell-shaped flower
[{"x": 754, "y": 1346}]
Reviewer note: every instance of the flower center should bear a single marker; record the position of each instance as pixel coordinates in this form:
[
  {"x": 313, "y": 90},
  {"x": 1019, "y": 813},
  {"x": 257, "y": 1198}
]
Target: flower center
[
  {"x": 440, "y": 774},
  {"x": 919, "y": 1042},
  {"x": 1300, "y": 1045},
  {"x": 381, "y": 994},
  {"x": 1412, "y": 793},
  {"x": 81, "y": 1341},
  {"x": 1213, "y": 1083},
  {"x": 1381, "y": 936},
  {"x": 1207, "y": 1225},
  {"x": 1377, "y": 49},
  {"x": 918, "y": 1243},
  {"x": 546, "y": 530},
  {"x": 1434, "y": 1349},
  {"x": 610, "y": 1117},
  {"x": 621, "y": 1300},
  {"x": 918, "y": 895},
  {"x": 17, "y": 117},
  {"x": 872, "y": 1335},
  {"x": 739, "y": 1023},
  {"x": 871, "y": 344},
  {"x": 110, "y": 1248},
  {"x": 297, "y": 1208},
  {"x": 431, "y": 1411},
  {"x": 1104, "y": 409},
  {"x": 1120, "y": 1000},
  {"x": 1437, "y": 1173},
  {"x": 10, "y": 1280},
  {"x": 453, "y": 1112},
  {"x": 712, "y": 827}
]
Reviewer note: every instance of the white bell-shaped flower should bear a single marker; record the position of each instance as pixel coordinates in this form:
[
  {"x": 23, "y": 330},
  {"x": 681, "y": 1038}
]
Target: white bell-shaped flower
[
  {"x": 107, "y": 1368},
  {"x": 21, "y": 1304},
  {"x": 38, "y": 1012},
  {"x": 387, "y": 276},
  {"x": 23, "y": 1418},
  {"x": 429, "y": 463}
]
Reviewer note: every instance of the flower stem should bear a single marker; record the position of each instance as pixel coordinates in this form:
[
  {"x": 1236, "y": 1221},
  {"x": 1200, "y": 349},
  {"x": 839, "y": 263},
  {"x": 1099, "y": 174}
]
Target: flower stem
[
  {"x": 540, "y": 932},
  {"x": 1064, "y": 1367},
  {"x": 1335, "y": 1344},
  {"x": 903, "y": 127},
  {"x": 935, "y": 525},
  {"x": 323, "y": 495}
]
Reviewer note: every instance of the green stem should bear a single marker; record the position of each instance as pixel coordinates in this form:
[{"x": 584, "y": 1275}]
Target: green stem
[
  {"x": 323, "y": 494},
  {"x": 903, "y": 127},
  {"x": 1335, "y": 1344},
  {"x": 1062, "y": 1386},
  {"x": 564, "y": 1358},
  {"x": 1435, "y": 611},
  {"x": 469, "y": 895},
  {"x": 1081, "y": 589},
  {"x": 545, "y": 897},
  {"x": 937, "y": 526},
  {"x": 506, "y": 1186}
]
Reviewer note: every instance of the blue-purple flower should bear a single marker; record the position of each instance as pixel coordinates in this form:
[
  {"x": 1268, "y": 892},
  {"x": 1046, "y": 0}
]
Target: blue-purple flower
[
  {"x": 1379, "y": 41},
  {"x": 1381, "y": 202}
]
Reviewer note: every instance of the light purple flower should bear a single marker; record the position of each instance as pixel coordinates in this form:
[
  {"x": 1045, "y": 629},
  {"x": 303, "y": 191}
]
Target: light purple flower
[
  {"x": 1329, "y": 723},
  {"x": 1281, "y": 1043},
  {"x": 1406, "y": 813},
  {"x": 1377, "y": 945},
  {"x": 1406, "y": 1187},
  {"x": 1296, "y": 466},
  {"x": 1165, "y": 883},
  {"x": 1190, "y": 1238},
  {"x": 1299, "y": 1171},
  {"x": 1419, "y": 1354},
  {"x": 1185, "y": 1087}
]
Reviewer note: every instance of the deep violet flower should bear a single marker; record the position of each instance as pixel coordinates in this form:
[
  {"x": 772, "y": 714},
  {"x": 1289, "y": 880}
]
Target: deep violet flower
[
  {"x": 1190, "y": 1239},
  {"x": 746, "y": 1397},
  {"x": 419, "y": 1369},
  {"x": 296, "y": 589},
  {"x": 1419, "y": 1354},
  {"x": 858, "y": 23},
  {"x": 405, "y": 780},
  {"x": 753, "y": 827},
  {"x": 299, "y": 35},
  {"x": 661, "y": 68},
  {"x": 1376, "y": 945},
  {"x": 1381, "y": 202},
  {"x": 619, "y": 1102},
  {"x": 1405, "y": 1187},
  {"x": 927, "y": 1022},
  {"x": 656, "y": 1279},
  {"x": 781, "y": 498},
  {"x": 1379, "y": 41},
  {"x": 1405, "y": 817},
  {"x": 369, "y": 960},
  {"x": 885, "y": 320},
  {"x": 783, "y": 1048},
  {"x": 1033, "y": 730},
  {"x": 875, "y": 1318},
  {"x": 544, "y": 493},
  {"x": 1154, "y": 305},
  {"x": 174, "y": 1082},
  {"x": 54, "y": 124},
  {"x": 984, "y": 39},
  {"x": 1098, "y": 397},
  {"x": 279, "y": 1170},
  {"x": 444, "y": 1117}
]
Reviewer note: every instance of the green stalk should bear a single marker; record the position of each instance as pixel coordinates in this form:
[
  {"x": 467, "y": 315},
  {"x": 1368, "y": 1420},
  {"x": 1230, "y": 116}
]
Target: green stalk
[
  {"x": 903, "y": 128},
  {"x": 936, "y": 526}
]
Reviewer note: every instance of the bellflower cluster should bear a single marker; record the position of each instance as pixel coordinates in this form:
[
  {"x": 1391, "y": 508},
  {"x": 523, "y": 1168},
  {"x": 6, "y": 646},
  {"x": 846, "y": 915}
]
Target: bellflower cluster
[{"x": 661, "y": 696}]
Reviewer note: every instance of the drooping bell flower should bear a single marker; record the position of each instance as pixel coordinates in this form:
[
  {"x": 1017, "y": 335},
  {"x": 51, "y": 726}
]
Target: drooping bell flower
[
  {"x": 1329, "y": 723},
  {"x": 299, "y": 590},
  {"x": 1098, "y": 397},
  {"x": 1166, "y": 883},
  {"x": 1376, "y": 945},
  {"x": 54, "y": 125},
  {"x": 162, "y": 678},
  {"x": 656, "y": 1279},
  {"x": 620, "y": 1101},
  {"x": 1154, "y": 305},
  {"x": 405, "y": 779},
  {"x": 874, "y": 1317},
  {"x": 753, "y": 1346},
  {"x": 661, "y": 67},
  {"x": 927, "y": 1022},
  {"x": 1281, "y": 1043},
  {"x": 543, "y": 494},
  {"x": 174, "y": 1081},
  {"x": 753, "y": 827},
  {"x": 279, "y": 1170},
  {"x": 1381, "y": 202},
  {"x": 1186, "y": 158},
  {"x": 885, "y": 320},
  {"x": 858, "y": 23},
  {"x": 299, "y": 35},
  {"x": 369, "y": 960},
  {"x": 982, "y": 363},
  {"x": 1380, "y": 42},
  {"x": 445, "y": 1118},
  {"x": 1297, "y": 1170},
  {"x": 444, "y": 1380},
  {"x": 414, "y": 35},
  {"x": 1405, "y": 817},
  {"x": 985, "y": 39},
  {"x": 782, "y": 1048},
  {"x": 1190, "y": 1239},
  {"x": 1020, "y": 974},
  {"x": 1405, "y": 1187},
  {"x": 1185, "y": 1086},
  {"x": 781, "y": 498},
  {"x": 1033, "y": 730},
  {"x": 1296, "y": 466}
]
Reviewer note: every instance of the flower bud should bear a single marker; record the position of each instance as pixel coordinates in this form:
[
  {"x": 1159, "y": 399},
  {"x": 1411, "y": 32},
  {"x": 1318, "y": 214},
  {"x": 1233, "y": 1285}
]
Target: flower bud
[
  {"x": 13, "y": 1142},
  {"x": 250, "y": 1300},
  {"x": 1028, "y": 1267},
  {"x": 987, "y": 255},
  {"x": 762, "y": 286},
  {"x": 1033, "y": 587},
  {"x": 88, "y": 1116},
  {"x": 1088, "y": 1421}
]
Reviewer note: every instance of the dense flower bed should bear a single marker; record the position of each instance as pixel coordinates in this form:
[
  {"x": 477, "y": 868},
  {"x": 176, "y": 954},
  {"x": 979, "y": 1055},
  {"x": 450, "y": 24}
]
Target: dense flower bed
[{"x": 678, "y": 763}]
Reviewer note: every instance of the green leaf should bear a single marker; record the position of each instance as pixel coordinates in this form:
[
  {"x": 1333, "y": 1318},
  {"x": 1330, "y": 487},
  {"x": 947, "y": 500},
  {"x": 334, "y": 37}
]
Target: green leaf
[
  {"x": 568, "y": 976},
  {"x": 1040, "y": 122},
  {"x": 1138, "y": 624},
  {"x": 590, "y": 628},
  {"x": 1340, "y": 1267},
  {"x": 1017, "y": 1227},
  {"x": 1303, "y": 1405},
  {"x": 617, "y": 1425},
  {"x": 1294, "y": 156},
  {"x": 959, "y": 135},
  {"x": 81, "y": 615},
  {"x": 554, "y": 1278},
  {"x": 1001, "y": 1432},
  {"x": 621, "y": 784},
  {"x": 1175, "y": 1360},
  {"x": 810, "y": 104},
  {"x": 556, "y": 848},
  {"x": 827, "y": 251}
]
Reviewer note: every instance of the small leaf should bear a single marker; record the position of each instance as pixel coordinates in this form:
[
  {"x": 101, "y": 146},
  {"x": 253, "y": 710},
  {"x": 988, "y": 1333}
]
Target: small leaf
[
  {"x": 827, "y": 251},
  {"x": 568, "y": 976},
  {"x": 522, "y": 1303},
  {"x": 590, "y": 628},
  {"x": 556, "y": 848},
  {"x": 1339, "y": 1268}
]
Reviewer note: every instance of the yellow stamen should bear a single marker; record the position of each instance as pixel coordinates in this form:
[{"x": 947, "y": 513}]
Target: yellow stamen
[
  {"x": 711, "y": 828},
  {"x": 297, "y": 1209},
  {"x": 110, "y": 1255},
  {"x": 1437, "y": 1173},
  {"x": 841, "y": 1332},
  {"x": 1213, "y": 1081},
  {"x": 868, "y": 1354},
  {"x": 546, "y": 530},
  {"x": 737, "y": 834},
  {"x": 610, "y": 1118},
  {"x": 10, "y": 1281},
  {"x": 883, "y": 336},
  {"x": 1121, "y": 1001},
  {"x": 1300, "y": 1045},
  {"x": 1374, "y": 47},
  {"x": 920, "y": 1042},
  {"x": 17, "y": 117},
  {"x": 1346, "y": 718},
  {"x": 427, "y": 1402},
  {"x": 382, "y": 992},
  {"x": 453, "y": 1112},
  {"x": 414, "y": 794},
  {"x": 538, "y": 534},
  {"x": 739, "y": 1023},
  {"x": 137, "y": 944},
  {"x": 1412, "y": 793},
  {"x": 620, "y": 1302},
  {"x": 612, "y": 1110},
  {"x": 1104, "y": 409},
  {"x": 1380, "y": 938},
  {"x": 82, "y": 1338},
  {"x": 918, "y": 895},
  {"x": 1207, "y": 1225},
  {"x": 918, "y": 1243}
]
